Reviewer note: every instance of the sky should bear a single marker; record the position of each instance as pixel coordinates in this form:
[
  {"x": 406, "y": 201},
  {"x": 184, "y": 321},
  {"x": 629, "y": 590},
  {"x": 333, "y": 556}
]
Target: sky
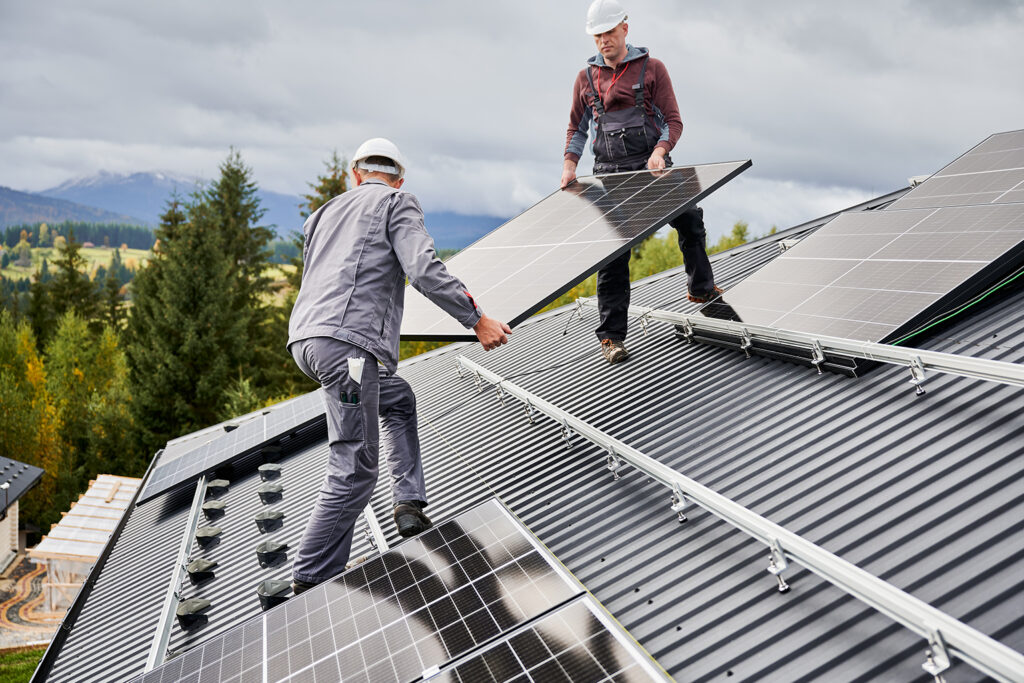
[{"x": 834, "y": 102}]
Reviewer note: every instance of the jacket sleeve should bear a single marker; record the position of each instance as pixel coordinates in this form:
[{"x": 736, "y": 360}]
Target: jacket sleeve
[
  {"x": 415, "y": 251},
  {"x": 579, "y": 120},
  {"x": 665, "y": 105}
]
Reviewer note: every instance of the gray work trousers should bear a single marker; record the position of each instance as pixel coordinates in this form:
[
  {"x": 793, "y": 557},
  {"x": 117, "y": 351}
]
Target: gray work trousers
[{"x": 354, "y": 438}]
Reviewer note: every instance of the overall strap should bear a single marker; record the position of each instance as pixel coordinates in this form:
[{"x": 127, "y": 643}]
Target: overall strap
[
  {"x": 594, "y": 95},
  {"x": 638, "y": 89}
]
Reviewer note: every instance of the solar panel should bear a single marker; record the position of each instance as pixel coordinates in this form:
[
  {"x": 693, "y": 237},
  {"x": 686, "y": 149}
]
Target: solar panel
[
  {"x": 990, "y": 173},
  {"x": 409, "y": 613},
  {"x": 578, "y": 642},
  {"x": 524, "y": 264},
  {"x": 874, "y": 276},
  {"x": 249, "y": 436}
]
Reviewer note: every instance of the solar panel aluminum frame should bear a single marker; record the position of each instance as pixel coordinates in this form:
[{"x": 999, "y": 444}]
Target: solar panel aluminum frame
[{"x": 657, "y": 224}]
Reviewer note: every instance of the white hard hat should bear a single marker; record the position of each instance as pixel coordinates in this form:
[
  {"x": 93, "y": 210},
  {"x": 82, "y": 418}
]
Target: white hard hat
[
  {"x": 604, "y": 15},
  {"x": 379, "y": 147}
]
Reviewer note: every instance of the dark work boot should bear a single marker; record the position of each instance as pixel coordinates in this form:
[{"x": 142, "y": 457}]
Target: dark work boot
[
  {"x": 705, "y": 297},
  {"x": 410, "y": 519},
  {"x": 301, "y": 586}
]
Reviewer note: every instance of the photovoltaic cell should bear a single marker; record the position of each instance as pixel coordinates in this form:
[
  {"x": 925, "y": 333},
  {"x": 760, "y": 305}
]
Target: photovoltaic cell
[
  {"x": 250, "y": 435},
  {"x": 873, "y": 276},
  {"x": 990, "y": 173},
  {"x": 518, "y": 268},
  {"x": 427, "y": 605},
  {"x": 578, "y": 642}
]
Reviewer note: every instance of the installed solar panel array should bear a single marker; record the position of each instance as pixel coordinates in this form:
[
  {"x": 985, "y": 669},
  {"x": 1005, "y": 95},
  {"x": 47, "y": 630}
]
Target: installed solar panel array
[
  {"x": 530, "y": 260},
  {"x": 246, "y": 438},
  {"x": 990, "y": 173},
  {"x": 876, "y": 276},
  {"x": 477, "y": 593}
]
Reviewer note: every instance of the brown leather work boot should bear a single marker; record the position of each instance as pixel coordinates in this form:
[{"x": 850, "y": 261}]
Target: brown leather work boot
[
  {"x": 706, "y": 297},
  {"x": 614, "y": 351}
]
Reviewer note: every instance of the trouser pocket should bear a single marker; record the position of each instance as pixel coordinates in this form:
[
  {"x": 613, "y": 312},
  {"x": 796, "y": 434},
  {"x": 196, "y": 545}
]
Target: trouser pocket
[{"x": 344, "y": 414}]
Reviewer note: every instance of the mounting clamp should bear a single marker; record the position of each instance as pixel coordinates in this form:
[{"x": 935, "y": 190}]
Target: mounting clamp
[
  {"x": 567, "y": 434},
  {"x": 679, "y": 503},
  {"x": 917, "y": 375},
  {"x": 817, "y": 355},
  {"x": 746, "y": 341},
  {"x": 777, "y": 563},
  {"x": 613, "y": 463},
  {"x": 528, "y": 407},
  {"x": 936, "y": 656}
]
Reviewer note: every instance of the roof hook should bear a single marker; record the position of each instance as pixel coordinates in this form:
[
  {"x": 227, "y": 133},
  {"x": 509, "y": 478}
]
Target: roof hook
[
  {"x": 917, "y": 375},
  {"x": 777, "y": 564}
]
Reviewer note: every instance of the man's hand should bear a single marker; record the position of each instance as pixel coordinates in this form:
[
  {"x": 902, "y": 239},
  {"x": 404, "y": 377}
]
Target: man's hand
[
  {"x": 491, "y": 333},
  {"x": 657, "y": 160},
  {"x": 568, "y": 172}
]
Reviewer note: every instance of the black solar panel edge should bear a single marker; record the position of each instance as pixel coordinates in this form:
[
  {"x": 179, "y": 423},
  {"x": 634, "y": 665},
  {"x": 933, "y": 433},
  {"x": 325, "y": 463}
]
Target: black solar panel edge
[{"x": 744, "y": 165}]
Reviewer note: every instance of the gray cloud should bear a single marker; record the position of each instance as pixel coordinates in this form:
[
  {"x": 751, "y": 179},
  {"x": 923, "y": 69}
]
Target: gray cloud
[{"x": 829, "y": 101}]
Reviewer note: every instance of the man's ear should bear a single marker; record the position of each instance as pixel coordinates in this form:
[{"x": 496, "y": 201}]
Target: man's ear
[
  {"x": 357, "y": 176},
  {"x": 398, "y": 185}
]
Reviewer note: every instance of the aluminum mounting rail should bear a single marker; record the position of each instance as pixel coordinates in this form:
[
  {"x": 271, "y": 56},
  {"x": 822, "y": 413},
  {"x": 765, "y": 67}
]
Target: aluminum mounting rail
[
  {"x": 158, "y": 650},
  {"x": 946, "y": 636},
  {"x": 917, "y": 360}
]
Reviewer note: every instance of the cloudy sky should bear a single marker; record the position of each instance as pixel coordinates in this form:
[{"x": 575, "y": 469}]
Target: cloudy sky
[{"x": 833, "y": 102}]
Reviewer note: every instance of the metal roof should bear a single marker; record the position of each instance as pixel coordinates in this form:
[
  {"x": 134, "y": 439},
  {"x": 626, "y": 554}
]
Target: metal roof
[
  {"x": 925, "y": 492},
  {"x": 19, "y": 478}
]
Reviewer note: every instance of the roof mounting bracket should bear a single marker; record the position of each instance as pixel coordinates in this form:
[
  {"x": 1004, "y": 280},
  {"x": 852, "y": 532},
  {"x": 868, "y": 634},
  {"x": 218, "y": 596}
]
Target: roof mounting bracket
[
  {"x": 528, "y": 407},
  {"x": 817, "y": 355},
  {"x": 746, "y": 341},
  {"x": 500, "y": 393},
  {"x": 686, "y": 329},
  {"x": 567, "y": 434},
  {"x": 936, "y": 656},
  {"x": 777, "y": 563},
  {"x": 643, "y": 322},
  {"x": 613, "y": 463},
  {"x": 479, "y": 382},
  {"x": 458, "y": 368},
  {"x": 917, "y": 375},
  {"x": 679, "y": 503}
]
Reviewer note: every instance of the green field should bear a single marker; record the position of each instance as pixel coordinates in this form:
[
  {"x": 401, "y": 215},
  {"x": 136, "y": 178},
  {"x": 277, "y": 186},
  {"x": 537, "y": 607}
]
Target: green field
[
  {"x": 17, "y": 666},
  {"x": 96, "y": 256}
]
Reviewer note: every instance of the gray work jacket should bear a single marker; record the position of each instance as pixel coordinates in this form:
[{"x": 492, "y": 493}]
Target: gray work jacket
[{"x": 358, "y": 249}]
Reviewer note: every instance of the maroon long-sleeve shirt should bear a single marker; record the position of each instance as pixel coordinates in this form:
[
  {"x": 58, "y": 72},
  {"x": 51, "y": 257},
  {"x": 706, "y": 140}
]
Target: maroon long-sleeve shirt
[{"x": 659, "y": 98}]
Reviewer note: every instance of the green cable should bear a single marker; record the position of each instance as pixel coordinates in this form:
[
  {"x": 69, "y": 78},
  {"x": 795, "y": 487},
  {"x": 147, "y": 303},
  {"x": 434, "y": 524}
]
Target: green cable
[{"x": 962, "y": 308}]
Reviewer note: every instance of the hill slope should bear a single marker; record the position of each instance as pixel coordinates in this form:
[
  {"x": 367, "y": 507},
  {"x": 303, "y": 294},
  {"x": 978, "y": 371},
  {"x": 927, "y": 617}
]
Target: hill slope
[{"x": 24, "y": 207}]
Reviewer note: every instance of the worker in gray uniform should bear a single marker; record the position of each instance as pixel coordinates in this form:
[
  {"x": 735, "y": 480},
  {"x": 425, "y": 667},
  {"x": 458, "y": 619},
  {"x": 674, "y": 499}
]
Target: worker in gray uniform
[{"x": 358, "y": 250}]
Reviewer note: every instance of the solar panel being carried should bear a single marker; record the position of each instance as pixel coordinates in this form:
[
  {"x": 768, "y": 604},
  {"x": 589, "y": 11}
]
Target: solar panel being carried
[
  {"x": 247, "y": 437},
  {"x": 477, "y": 590},
  {"x": 876, "y": 276},
  {"x": 518, "y": 268}
]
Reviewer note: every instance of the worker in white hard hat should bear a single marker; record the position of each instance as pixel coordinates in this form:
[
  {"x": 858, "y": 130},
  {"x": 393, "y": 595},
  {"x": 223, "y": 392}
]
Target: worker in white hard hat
[
  {"x": 358, "y": 250},
  {"x": 628, "y": 96}
]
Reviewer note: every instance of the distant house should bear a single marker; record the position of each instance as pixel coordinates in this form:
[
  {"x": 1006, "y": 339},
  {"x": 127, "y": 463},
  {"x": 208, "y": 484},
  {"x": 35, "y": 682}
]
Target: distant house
[
  {"x": 16, "y": 478},
  {"x": 88, "y": 245}
]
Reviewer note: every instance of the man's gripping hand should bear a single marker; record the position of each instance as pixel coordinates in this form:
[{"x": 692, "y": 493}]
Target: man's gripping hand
[
  {"x": 657, "y": 160},
  {"x": 491, "y": 333},
  {"x": 568, "y": 172}
]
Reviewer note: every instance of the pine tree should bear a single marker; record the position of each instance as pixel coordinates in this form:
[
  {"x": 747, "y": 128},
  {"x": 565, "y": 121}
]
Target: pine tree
[
  {"x": 185, "y": 327},
  {"x": 41, "y": 310},
  {"x": 327, "y": 186},
  {"x": 71, "y": 289}
]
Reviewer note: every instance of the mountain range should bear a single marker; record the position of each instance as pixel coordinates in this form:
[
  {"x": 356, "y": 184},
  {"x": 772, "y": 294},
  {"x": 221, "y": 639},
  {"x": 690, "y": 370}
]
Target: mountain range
[{"x": 140, "y": 198}]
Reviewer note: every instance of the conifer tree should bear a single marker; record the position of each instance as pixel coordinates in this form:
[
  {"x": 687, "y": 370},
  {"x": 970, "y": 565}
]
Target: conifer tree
[
  {"x": 41, "y": 311},
  {"x": 71, "y": 288},
  {"x": 185, "y": 328}
]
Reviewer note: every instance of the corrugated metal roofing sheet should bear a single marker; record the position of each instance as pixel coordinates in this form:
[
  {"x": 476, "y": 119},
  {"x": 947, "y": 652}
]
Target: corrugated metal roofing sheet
[{"x": 925, "y": 492}]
